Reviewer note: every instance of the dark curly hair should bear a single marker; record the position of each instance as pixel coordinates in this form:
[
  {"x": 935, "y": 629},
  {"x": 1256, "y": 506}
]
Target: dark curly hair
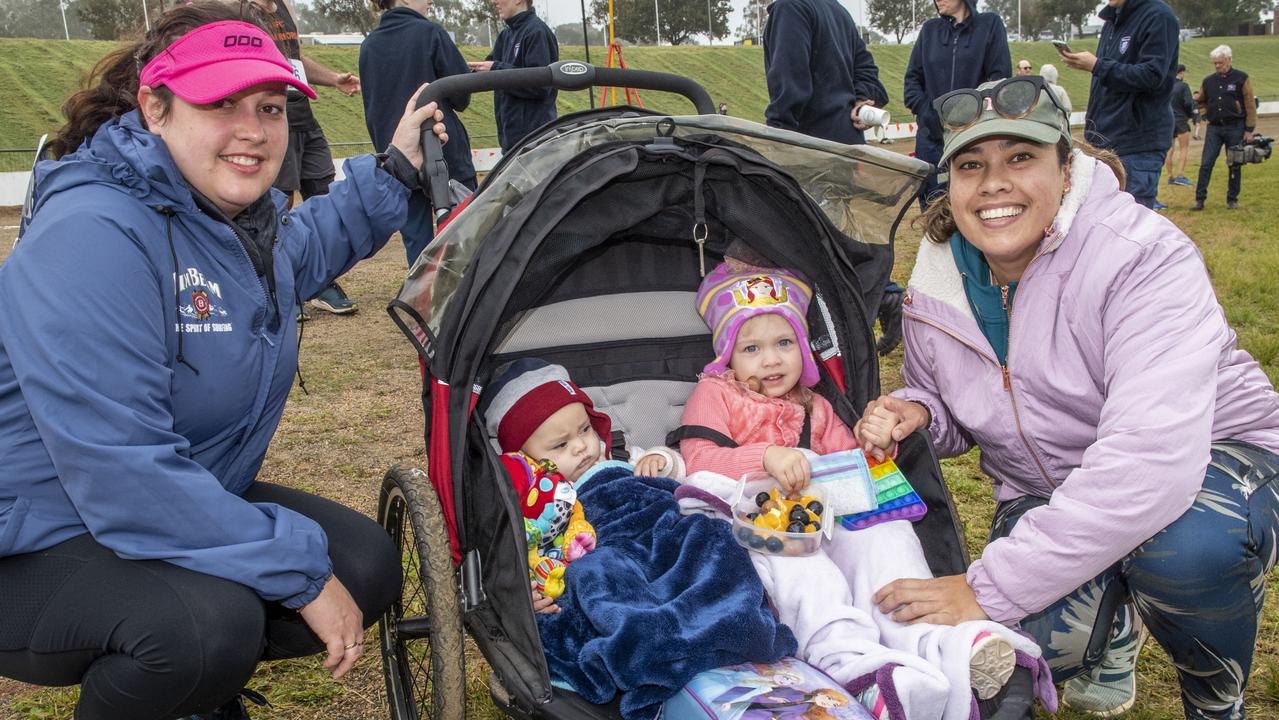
[{"x": 111, "y": 88}]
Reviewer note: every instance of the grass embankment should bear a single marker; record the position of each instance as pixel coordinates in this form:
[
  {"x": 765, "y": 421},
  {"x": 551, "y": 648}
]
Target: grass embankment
[
  {"x": 36, "y": 75},
  {"x": 363, "y": 415}
]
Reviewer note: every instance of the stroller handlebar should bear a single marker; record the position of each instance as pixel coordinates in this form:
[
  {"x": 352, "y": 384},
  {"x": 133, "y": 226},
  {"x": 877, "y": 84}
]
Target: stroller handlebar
[{"x": 562, "y": 75}]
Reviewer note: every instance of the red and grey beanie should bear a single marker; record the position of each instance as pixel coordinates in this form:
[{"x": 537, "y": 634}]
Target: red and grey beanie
[
  {"x": 524, "y": 393},
  {"x": 734, "y": 292}
]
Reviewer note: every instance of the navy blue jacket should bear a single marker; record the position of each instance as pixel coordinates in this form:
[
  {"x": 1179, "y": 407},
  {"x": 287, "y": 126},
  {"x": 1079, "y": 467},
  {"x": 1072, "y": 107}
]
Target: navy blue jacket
[
  {"x": 404, "y": 51},
  {"x": 817, "y": 66},
  {"x": 525, "y": 42},
  {"x": 1128, "y": 102},
  {"x": 102, "y": 428},
  {"x": 948, "y": 56}
]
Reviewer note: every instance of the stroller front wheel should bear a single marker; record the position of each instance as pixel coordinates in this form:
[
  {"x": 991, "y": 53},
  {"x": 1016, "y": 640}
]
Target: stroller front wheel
[{"x": 421, "y": 633}]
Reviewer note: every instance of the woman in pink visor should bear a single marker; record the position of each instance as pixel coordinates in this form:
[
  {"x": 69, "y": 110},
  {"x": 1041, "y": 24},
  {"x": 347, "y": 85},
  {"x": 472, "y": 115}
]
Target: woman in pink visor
[{"x": 148, "y": 342}]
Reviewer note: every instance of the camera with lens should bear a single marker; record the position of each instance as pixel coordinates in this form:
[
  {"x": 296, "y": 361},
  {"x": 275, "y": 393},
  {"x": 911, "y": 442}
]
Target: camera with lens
[{"x": 1255, "y": 151}]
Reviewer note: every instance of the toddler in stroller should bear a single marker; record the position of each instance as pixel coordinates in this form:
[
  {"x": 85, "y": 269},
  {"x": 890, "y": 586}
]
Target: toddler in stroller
[{"x": 755, "y": 398}]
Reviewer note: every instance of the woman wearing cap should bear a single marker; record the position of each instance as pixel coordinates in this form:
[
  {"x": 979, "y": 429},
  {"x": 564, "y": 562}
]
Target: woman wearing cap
[
  {"x": 1074, "y": 337},
  {"x": 146, "y": 350}
]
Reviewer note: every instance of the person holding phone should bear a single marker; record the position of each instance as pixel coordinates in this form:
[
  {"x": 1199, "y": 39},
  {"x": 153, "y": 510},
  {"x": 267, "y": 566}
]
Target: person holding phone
[
  {"x": 525, "y": 42},
  {"x": 1132, "y": 76}
]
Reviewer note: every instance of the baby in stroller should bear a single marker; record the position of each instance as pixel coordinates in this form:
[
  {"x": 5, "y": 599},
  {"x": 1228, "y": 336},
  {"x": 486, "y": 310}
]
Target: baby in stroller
[
  {"x": 550, "y": 435},
  {"x": 757, "y": 396},
  {"x": 649, "y": 570}
]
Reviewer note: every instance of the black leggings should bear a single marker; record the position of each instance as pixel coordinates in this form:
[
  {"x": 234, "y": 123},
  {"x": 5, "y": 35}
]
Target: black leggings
[{"x": 148, "y": 640}]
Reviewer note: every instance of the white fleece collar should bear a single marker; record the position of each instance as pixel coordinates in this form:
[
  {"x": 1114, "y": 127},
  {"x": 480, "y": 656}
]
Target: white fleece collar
[{"x": 936, "y": 274}]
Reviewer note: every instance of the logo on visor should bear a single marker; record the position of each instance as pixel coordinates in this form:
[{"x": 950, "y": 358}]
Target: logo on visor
[{"x": 241, "y": 40}]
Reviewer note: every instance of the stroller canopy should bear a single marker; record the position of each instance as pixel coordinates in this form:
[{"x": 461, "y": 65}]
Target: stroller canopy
[{"x": 863, "y": 191}]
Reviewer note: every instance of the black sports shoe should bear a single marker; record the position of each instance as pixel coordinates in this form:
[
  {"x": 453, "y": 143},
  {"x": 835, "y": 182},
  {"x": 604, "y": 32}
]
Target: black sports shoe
[
  {"x": 234, "y": 708},
  {"x": 1232, "y": 205},
  {"x": 1199, "y": 205},
  {"x": 334, "y": 300},
  {"x": 890, "y": 322}
]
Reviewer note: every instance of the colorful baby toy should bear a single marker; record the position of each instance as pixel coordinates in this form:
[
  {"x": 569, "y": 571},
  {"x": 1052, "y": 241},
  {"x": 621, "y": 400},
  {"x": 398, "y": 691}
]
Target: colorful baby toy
[
  {"x": 554, "y": 524},
  {"x": 895, "y": 497}
]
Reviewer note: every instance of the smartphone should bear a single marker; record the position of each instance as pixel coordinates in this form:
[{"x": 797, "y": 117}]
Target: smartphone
[{"x": 1062, "y": 46}]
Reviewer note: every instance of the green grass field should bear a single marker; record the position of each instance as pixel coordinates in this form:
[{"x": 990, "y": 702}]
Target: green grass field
[
  {"x": 362, "y": 414},
  {"x": 36, "y": 75}
]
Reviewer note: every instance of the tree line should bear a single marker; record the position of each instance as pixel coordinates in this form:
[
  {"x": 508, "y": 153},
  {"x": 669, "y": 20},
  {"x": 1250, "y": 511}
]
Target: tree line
[
  {"x": 675, "y": 22},
  {"x": 899, "y": 18}
]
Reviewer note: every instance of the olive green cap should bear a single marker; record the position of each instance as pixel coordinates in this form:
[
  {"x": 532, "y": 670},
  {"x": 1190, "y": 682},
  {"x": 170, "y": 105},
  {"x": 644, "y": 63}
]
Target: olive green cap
[{"x": 1046, "y": 123}]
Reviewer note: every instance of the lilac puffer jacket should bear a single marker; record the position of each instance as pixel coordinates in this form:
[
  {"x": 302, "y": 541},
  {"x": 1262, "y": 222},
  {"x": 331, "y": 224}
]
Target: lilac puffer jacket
[{"x": 1121, "y": 371}]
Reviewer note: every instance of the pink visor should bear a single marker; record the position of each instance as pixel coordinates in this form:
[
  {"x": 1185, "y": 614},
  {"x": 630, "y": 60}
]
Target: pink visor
[{"x": 220, "y": 59}]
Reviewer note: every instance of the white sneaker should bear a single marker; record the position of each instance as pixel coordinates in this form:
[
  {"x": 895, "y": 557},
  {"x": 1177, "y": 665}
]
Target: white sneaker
[{"x": 990, "y": 664}]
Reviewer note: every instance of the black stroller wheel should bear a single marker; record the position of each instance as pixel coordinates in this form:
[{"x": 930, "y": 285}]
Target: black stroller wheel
[{"x": 421, "y": 633}]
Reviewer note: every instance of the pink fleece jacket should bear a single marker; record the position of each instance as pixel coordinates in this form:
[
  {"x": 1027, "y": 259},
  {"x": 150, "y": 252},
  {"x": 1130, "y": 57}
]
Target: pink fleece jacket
[
  {"x": 755, "y": 422},
  {"x": 1121, "y": 372}
]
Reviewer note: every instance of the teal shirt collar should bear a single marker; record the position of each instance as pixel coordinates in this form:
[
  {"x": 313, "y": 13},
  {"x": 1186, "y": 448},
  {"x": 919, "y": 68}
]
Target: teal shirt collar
[{"x": 984, "y": 297}]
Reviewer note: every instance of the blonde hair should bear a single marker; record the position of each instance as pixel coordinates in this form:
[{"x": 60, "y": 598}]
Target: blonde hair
[{"x": 938, "y": 222}]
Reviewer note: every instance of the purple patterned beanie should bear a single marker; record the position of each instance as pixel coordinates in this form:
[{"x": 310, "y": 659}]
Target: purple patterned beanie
[{"x": 734, "y": 292}]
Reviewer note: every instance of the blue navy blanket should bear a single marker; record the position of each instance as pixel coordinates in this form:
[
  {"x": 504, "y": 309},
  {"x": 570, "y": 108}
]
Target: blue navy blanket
[{"x": 661, "y": 598}]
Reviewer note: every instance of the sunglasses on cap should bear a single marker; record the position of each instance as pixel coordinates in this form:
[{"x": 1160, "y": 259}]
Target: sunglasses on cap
[{"x": 1014, "y": 99}]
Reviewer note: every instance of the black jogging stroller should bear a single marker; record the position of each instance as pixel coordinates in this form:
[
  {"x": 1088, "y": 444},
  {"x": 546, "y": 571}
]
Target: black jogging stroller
[{"x": 585, "y": 246}]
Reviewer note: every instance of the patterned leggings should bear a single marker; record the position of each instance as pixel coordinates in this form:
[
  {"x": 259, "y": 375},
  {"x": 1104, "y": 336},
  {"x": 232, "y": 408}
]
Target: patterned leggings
[{"x": 1198, "y": 584}]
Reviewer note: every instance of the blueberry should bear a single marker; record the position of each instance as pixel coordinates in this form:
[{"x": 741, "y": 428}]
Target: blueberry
[
  {"x": 744, "y": 534},
  {"x": 752, "y": 516},
  {"x": 816, "y": 526},
  {"x": 795, "y": 527},
  {"x": 816, "y": 507},
  {"x": 756, "y": 541},
  {"x": 761, "y": 498},
  {"x": 798, "y": 513},
  {"x": 774, "y": 544}
]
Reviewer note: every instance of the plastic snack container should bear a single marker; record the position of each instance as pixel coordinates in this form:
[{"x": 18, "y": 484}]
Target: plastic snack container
[{"x": 769, "y": 541}]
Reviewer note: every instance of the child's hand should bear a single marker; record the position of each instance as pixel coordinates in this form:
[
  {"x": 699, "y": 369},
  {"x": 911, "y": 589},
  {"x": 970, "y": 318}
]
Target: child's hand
[
  {"x": 651, "y": 465},
  {"x": 886, "y": 421},
  {"x": 789, "y": 466},
  {"x": 875, "y": 431},
  {"x": 579, "y": 546},
  {"x": 543, "y": 604}
]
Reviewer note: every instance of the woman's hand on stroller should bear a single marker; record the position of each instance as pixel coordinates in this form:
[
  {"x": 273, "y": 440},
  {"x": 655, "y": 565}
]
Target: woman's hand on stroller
[
  {"x": 335, "y": 618},
  {"x": 945, "y": 600},
  {"x": 543, "y": 604},
  {"x": 887, "y": 421},
  {"x": 408, "y": 134},
  {"x": 789, "y": 466}
]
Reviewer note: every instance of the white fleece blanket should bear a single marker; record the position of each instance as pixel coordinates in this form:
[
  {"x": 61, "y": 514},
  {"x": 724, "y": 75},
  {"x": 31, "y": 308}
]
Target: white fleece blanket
[{"x": 825, "y": 598}]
